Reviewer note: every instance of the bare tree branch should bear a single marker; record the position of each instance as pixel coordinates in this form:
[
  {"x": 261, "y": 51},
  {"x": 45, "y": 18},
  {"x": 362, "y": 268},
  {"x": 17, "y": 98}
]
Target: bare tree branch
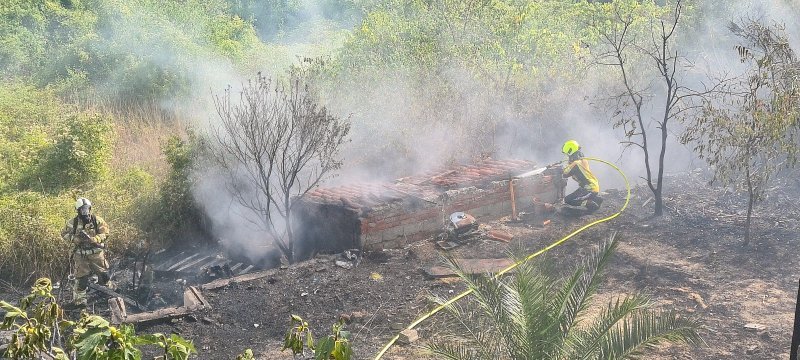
[{"x": 276, "y": 144}]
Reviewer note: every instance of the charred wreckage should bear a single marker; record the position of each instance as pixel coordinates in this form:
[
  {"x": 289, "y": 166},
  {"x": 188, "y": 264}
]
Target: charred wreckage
[{"x": 442, "y": 204}]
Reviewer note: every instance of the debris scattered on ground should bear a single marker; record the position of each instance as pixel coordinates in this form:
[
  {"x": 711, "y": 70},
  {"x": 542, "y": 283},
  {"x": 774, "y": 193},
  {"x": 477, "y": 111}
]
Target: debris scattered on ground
[
  {"x": 500, "y": 235},
  {"x": 755, "y": 327},
  {"x": 408, "y": 336},
  {"x": 447, "y": 245},
  {"x": 344, "y": 264},
  {"x": 683, "y": 249}
]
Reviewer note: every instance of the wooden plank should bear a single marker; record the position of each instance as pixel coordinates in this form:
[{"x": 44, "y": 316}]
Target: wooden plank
[
  {"x": 217, "y": 261},
  {"x": 114, "y": 294},
  {"x": 470, "y": 266},
  {"x": 160, "y": 314},
  {"x": 163, "y": 264},
  {"x": 118, "y": 312},
  {"x": 193, "y": 299}
]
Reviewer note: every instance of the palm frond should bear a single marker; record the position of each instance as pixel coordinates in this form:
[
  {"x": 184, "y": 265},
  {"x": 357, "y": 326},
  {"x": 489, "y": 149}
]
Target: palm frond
[
  {"x": 450, "y": 351},
  {"x": 481, "y": 333},
  {"x": 532, "y": 316},
  {"x": 643, "y": 329},
  {"x": 497, "y": 302},
  {"x": 575, "y": 295},
  {"x": 533, "y": 289},
  {"x": 582, "y": 344}
]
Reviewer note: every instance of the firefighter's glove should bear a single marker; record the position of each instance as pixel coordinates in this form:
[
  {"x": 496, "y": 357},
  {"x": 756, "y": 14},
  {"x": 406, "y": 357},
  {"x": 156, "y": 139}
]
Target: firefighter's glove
[
  {"x": 84, "y": 238},
  {"x": 554, "y": 164},
  {"x": 87, "y": 240}
]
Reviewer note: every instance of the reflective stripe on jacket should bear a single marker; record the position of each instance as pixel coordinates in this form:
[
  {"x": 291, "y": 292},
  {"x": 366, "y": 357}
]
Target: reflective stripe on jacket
[
  {"x": 579, "y": 170},
  {"x": 98, "y": 235}
]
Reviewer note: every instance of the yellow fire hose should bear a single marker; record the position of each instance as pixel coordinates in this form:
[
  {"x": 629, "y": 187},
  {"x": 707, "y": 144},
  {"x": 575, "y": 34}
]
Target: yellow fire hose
[{"x": 531, "y": 256}]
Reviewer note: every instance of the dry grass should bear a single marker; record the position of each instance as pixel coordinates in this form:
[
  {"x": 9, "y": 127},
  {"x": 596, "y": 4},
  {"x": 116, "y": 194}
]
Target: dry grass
[{"x": 141, "y": 131}]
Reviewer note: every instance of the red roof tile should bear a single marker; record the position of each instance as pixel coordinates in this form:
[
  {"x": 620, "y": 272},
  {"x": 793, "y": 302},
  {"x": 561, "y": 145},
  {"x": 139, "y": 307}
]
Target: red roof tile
[{"x": 427, "y": 185}]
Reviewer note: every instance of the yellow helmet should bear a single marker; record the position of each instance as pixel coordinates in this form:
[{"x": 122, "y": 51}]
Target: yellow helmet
[{"x": 570, "y": 147}]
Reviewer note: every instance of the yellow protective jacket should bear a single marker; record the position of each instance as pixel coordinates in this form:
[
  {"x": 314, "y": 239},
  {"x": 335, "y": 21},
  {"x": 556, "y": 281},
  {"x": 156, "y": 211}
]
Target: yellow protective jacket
[
  {"x": 579, "y": 171},
  {"x": 97, "y": 229}
]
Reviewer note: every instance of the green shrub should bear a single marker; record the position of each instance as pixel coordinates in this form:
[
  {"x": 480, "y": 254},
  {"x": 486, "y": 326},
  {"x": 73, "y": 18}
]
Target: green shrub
[
  {"x": 47, "y": 145},
  {"x": 28, "y": 117},
  {"x": 80, "y": 156},
  {"x": 30, "y": 241},
  {"x": 91, "y": 337},
  {"x": 33, "y": 324},
  {"x": 174, "y": 215}
]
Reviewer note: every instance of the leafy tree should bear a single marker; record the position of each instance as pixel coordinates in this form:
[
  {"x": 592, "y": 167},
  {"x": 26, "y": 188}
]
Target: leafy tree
[
  {"x": 275, "y": 143},
  {"x": 470, "y": 69},
  {"x": 122, "y": 52},
  {"x": 749, "y": 131},
  {"x": 273, "y": 19},
  {"x": 533, "y": 315}
]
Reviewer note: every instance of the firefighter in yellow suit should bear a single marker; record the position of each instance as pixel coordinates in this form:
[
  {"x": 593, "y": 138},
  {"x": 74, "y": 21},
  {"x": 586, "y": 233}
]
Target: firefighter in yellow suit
[
  {"x": 578, "y": 169},
  {"x": 88, "y": 233}
]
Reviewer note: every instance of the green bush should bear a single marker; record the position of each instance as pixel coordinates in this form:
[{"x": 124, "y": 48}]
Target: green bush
[
  {"x": 27, "y": 118},
  {"x": 30, "y": 241},
  {"x": 34, "y": 321},
  {"x": 174, "y": 215},
  {"x": 47, "y": 145},
  {"x": 80, "y": 155}
]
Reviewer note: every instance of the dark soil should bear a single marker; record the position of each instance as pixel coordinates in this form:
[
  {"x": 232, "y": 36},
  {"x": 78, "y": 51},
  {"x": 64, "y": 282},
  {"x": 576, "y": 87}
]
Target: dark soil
[{"x": 690, "y": 260}]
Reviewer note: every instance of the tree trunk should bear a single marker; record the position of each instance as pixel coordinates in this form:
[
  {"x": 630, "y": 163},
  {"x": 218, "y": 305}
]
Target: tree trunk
[
  {"x": 750, "y": 201},
  {"x": 659, "y": 203},
  {"x": 289, "y": 238}
]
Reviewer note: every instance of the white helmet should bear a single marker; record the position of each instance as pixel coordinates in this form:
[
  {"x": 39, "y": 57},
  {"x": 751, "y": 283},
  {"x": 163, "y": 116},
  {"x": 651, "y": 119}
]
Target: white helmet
[{"x": 83, "y": 206}]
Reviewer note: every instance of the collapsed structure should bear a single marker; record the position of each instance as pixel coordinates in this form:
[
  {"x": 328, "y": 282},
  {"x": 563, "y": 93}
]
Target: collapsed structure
[
  {"x": 368, "y": 216},
  {"x": 384, "y": 215}
]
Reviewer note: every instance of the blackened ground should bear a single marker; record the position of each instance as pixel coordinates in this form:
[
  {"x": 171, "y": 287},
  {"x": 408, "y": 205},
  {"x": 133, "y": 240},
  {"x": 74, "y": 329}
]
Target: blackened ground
[{"x": 690, "y": 260}]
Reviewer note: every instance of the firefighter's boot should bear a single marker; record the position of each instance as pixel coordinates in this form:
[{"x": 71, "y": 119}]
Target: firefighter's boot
[{"x": 79, "y": 293}]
